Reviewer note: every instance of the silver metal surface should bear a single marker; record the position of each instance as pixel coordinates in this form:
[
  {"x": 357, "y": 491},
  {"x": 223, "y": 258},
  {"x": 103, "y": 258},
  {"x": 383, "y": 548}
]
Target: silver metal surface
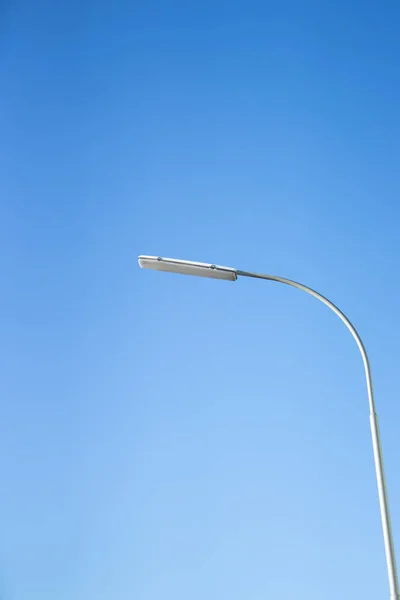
[
  {"x": 376, "y": 443},
  {"x": 217, "y": 272},
  {"x": 186, "y": 267}
]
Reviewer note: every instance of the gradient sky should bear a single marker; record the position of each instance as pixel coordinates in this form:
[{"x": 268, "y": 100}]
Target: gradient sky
[{"x": 172, "y": 438}]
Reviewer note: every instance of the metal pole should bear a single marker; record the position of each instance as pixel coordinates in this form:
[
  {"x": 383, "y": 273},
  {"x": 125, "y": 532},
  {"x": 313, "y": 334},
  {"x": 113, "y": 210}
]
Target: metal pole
[{"x": 376, "y": 443}]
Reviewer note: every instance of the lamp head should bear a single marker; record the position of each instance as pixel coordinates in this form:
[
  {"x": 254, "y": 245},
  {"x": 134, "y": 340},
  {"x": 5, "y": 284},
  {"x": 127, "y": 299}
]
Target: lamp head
[{"x": 187, "y": 267}]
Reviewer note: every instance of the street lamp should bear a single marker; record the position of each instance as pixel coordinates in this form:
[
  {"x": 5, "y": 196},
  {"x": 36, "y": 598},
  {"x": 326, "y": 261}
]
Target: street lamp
[{"x": 217, "y": 272}]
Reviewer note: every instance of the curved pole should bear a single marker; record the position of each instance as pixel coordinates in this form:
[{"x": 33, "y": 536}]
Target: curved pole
[{"x": 378, "y": 457}]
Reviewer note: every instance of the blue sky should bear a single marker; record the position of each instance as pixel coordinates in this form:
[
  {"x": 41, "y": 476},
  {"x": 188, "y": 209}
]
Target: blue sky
[{"x": 164, "y": 437}]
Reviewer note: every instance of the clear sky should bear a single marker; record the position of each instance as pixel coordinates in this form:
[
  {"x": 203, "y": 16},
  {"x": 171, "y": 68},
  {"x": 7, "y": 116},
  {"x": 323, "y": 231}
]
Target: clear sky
[{"x": 172, "y": 438}]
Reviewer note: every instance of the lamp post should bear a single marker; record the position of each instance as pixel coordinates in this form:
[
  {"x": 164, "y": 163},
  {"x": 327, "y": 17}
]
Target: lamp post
[{"x": 217, "y": 272}]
